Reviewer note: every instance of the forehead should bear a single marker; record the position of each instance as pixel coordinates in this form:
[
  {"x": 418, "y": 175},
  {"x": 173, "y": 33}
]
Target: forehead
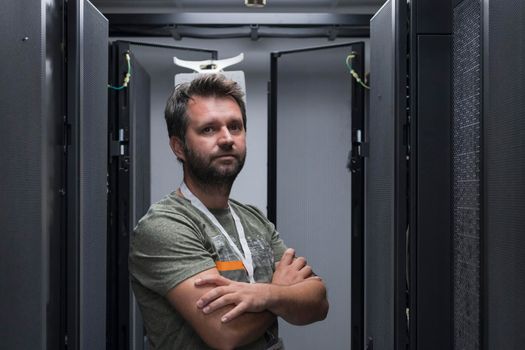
[{"x": 205, "y": 108}]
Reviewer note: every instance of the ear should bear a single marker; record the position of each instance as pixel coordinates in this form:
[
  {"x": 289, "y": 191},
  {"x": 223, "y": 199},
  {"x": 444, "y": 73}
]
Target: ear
[{"x": 177, "y": 147}]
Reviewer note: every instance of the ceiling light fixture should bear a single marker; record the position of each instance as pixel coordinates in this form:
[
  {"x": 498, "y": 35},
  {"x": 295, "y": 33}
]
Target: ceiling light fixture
[{"x": 255, "y": 3}]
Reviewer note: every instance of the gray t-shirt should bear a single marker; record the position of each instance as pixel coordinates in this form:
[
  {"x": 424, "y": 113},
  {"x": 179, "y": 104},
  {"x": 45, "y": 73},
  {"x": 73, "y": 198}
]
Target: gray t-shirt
[{"x": 175, "y": 241}]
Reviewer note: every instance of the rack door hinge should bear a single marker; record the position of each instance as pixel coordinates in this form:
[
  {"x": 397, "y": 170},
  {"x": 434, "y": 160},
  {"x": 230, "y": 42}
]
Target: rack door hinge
[
  {"x": 358, "y": 152},
  {"x": 119, "y": 147}
]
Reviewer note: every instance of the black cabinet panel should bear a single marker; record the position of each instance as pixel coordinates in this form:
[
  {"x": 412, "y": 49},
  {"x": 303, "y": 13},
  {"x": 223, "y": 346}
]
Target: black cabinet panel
[{"x": 433, "y": 235}]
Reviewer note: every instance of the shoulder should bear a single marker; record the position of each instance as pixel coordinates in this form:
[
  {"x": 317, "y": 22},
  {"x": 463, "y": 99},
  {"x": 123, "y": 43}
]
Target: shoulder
[
  {"x": 249, "y": 210},
  {"x": 168, "y": 219},
  {"x": 253, "y": 216}
]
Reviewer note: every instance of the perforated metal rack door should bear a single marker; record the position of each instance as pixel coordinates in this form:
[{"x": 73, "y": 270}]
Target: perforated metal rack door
[
  {"x": 379, "y": 186},
  {"x": 466, "y": 174},
  {"x": 87, "y": 176},
  {"x": 386, "y": 225},
  {"x": 504, "y": 175}
]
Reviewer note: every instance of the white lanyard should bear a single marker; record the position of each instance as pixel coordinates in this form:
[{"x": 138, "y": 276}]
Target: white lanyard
[{"x": 247, "y": 256}]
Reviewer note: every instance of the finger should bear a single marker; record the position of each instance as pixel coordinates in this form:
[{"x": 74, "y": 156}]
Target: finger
[
  {"x": 306, "y": 271},
  {"x": 217, "y": 280},
  {"x": 315, "y": 278},
  {"x": 234, "y": 313},
  {"x": 299, "y": 263},
  {"x": 287, "y": 257},
  {"x": 211, "y": 296},
  {"x": 228, "y": 299}
]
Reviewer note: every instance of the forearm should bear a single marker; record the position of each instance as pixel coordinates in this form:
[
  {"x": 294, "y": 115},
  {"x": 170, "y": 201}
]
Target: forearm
[
  {"x": 209, "y": 324},
  {"x": 301, "y": 303},
  {"x": 242, "y": 330}
]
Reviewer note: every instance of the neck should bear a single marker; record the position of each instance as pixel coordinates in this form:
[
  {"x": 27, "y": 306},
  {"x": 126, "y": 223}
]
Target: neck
[{"x": 211, "y": 195}]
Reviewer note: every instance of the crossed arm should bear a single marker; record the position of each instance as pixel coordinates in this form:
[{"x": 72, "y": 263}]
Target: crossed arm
[{"x": 227, "y": 314}]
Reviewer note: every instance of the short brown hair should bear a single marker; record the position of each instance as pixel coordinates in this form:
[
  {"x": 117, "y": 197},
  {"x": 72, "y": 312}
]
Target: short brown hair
[{"x": 205, "y": 85}]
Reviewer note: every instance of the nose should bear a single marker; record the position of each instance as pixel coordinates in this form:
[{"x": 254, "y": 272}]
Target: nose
[{"x": 225, "y": 139}]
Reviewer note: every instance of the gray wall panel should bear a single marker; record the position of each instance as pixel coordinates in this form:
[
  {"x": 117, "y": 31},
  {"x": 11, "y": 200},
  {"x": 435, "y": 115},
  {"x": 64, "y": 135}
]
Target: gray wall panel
[
  {"x": 313, "y": 184},
  {"x": 379, "y": 185}
]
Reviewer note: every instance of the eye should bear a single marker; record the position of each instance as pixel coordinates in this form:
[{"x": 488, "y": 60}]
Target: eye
[
  {"x": 207, "y": 130},
  {"x": 236, "y": 127}
]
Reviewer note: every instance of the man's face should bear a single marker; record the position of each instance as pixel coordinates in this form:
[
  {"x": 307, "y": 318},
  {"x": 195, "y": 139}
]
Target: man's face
[{"x": 215, "y": 147}]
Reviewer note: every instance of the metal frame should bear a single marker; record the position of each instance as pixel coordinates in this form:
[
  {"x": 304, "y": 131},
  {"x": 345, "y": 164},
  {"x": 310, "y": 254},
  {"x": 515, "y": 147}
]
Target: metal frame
[
  {"x": 117, "y": 307},
  {"x": 401, "y": 209},
  {"x": 239, "y": 19},
  {"x": 413, "y": 192},
  {"x": 213, "y": 53},
  {"x": 271, "y": 177},
  {"x": 483, "y": 219},
  {"x": 74, "y": 80},
  {"x": 358, "y": 197},
  {"x": 250, "y": 25}
]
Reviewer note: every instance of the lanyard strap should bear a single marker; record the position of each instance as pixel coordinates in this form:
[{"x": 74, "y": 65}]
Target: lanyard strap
[{"x": 246, "y": 258}]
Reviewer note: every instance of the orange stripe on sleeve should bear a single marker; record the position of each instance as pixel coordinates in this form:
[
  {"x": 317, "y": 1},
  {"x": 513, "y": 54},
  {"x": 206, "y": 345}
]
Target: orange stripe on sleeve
[{"x": 229, "y": 265}]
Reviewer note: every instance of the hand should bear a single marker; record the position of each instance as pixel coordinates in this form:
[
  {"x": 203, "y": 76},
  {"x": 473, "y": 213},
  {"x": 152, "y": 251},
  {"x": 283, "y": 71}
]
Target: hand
[
  {"x": 247, "y": 297},
  {"x": 291, "y": 270}
]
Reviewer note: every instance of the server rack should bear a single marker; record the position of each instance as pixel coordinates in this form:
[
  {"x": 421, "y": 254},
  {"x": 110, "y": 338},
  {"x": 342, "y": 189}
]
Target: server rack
[
  {"x": 54, "y": 185},
  {"x": 407, "y": 175},
  {"x": 465, "y": 175}
]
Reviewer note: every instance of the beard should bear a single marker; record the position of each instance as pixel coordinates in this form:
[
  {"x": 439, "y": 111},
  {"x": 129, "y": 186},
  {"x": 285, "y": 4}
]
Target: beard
[{"x": 210, "y": 171}]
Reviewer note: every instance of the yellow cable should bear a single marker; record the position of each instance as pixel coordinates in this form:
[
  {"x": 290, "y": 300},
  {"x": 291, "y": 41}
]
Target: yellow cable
[
  {"x": 127, "y": 77},
  {"x": 353, "y": 72}
]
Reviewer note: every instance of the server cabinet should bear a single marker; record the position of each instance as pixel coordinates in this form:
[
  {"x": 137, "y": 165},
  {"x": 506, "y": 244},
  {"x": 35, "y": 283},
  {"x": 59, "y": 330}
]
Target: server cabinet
[
  {"x": 54, "y": 185},
  {"x": 407, "y": 198},
  {"x": 31, "y": 180}
]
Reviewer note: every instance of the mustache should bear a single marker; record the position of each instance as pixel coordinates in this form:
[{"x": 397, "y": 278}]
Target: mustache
[{"x": 236, "y": 155}]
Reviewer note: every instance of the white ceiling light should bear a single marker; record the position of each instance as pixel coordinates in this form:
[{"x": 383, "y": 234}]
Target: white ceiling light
[{"x": 255, "y": 3}]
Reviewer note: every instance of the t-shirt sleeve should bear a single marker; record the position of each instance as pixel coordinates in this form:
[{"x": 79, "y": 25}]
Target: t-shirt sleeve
[
  {"x": 277, "y": 244},
  {"x": 166, "y": 250}
]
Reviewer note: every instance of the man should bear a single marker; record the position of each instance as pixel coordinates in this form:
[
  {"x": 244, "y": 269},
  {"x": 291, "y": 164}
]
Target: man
[{"x": 203, "y": 266}]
